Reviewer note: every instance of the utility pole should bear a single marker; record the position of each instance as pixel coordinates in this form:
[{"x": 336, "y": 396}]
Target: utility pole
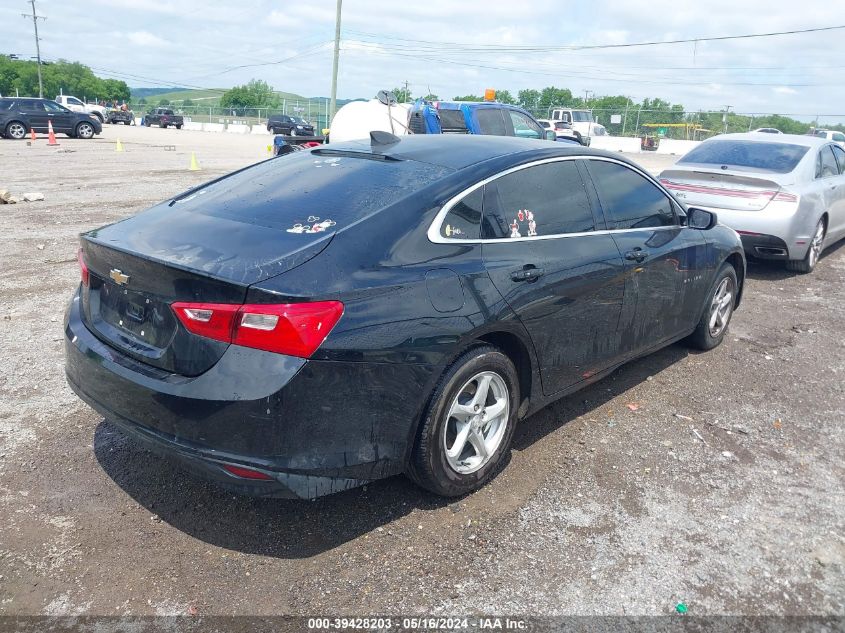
[
  {"x": 407, "y": 93},
  {"x": 333, "y": 106},
  {"x": 35, "y": 17},
  {"x": 587, "y": 97},
  {"x": 725, "y": 117}
]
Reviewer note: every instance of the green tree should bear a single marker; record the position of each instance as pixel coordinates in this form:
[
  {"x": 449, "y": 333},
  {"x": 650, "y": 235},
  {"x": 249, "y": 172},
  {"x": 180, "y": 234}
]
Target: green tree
[
  {"x": 431, "y": 97},
  {"x": 402, "y": 95},
  {"x": 529, "y": 98},
  {"x": 188, "y": 103},
  {"x": 163, "y": 102},
  {"x": 60, "y": 77},
  {"x": 255, "y": 94},
  {"x": 469, "y": 98},
  {"x": 504, "y": 96}
]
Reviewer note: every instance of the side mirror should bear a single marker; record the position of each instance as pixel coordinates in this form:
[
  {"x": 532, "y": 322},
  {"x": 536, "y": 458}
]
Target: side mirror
[
  {"x": 701, "y": 219},
  {"x": 550, "y": 135}
]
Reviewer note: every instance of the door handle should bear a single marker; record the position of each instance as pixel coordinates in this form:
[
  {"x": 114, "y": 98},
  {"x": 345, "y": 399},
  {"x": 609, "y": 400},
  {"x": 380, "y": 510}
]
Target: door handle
[
  {"x": 636, "y": 255},
  {"x": 529, "y": 273}
]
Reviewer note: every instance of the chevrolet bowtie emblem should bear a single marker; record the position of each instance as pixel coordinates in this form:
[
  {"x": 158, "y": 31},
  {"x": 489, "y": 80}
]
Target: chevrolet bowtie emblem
[{"x": 118, "y": 277}]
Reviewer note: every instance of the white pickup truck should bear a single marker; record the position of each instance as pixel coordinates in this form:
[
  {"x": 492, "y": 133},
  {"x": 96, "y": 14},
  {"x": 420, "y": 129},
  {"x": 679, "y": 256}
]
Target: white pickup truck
[
  {"x": 583, "y": 125},
  {"x": 74, "y": 104}
]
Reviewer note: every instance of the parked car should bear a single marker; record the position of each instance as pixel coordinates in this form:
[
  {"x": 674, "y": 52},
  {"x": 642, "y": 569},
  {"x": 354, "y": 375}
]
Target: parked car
[
  {"x": 831, "y": 135},
  {"x": 354, "y": 311},
  {"x": 19, "y": 115},
  {"x": 77, "y": 105},
  {"x": 163, "y": 117},
  {"x": 127, "y": 117},
  {"x": 768, "y": 130},
  {"x": 583, "y": 124},
  {"x": 562, "y": 130},
  {"x": 289, "y": 125},
  {"x": 784, "y": 193}
]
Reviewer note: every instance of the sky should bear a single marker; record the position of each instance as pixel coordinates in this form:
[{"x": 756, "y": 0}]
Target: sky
[{"x": 459, "y": 47}]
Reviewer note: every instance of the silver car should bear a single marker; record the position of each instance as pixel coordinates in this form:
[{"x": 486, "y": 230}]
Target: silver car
[{"x": 783, "y": 193}]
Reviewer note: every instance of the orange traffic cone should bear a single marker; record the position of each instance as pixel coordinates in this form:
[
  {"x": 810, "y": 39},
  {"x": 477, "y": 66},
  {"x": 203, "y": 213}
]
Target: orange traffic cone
[
  {"x": 51, "y": 137},
  {"x": 32, "y": 133}
]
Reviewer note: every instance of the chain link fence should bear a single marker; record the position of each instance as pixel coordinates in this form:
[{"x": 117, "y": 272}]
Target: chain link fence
[{"x": 314, "y": 111}]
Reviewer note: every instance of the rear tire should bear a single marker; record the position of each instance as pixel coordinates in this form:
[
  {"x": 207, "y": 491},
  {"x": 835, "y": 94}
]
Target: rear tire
[
  {"x": 468, "y": 425},
  {"x": 808, "y": 264},
  {"x": 15, "y": 130},
  {"x": 714, "y": 321}
]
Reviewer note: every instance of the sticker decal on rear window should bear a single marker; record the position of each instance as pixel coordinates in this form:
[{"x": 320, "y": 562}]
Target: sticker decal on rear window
[
  {"x": 313, "y": 225},
  {"x": 523, "y": 215}
]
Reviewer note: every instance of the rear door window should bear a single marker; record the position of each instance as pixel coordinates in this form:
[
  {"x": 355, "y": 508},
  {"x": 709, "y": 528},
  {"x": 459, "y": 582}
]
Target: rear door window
[
  {"x": 491, "y": 121},
  {"x": 629, "y": 200},
  {"x": 538, "y": 201},
  {"x": 826, "y": 164},
  {"x": 452, "y": 121},
  {"x": 32, "y": 106},
  {"x": 839, "y": 153}
]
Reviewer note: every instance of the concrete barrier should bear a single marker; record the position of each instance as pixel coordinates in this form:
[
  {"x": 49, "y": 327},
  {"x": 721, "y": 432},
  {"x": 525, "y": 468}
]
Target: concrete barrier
[
  {"x": 675, "y": 146},
  {"x": 616, "y": 144},
  {"x": 237, "y": 128},
  {"x": 193, "y": 125},
  {"x": 259, "y": 129},
  {"x": 213, "y": 127}
]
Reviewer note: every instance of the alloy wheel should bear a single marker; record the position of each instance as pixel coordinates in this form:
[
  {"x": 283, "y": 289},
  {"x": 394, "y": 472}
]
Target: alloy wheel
[
  {"x": 476, "y": 422},
  {"x": 721, "y": 307},
  {"x": 816, "y": 245},
  {"x": 85, "y": 130},
  {"x": 16, "y": 130}
]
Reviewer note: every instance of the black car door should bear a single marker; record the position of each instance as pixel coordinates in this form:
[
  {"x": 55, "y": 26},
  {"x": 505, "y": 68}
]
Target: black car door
[
  {"x": 35, "y": 113},
  {"x": 664, "y": 261},
  {"x": 63, "y": 119},
  {"x": 562, "y": 278}
]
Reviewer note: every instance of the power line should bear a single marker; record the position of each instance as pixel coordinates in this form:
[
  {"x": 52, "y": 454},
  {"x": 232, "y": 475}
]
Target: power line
[{"x": 578, "y": 47}]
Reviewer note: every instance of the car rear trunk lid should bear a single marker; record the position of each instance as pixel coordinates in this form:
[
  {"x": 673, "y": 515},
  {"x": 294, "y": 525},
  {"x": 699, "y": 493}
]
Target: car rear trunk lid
[{"x": 719, "y": 189}]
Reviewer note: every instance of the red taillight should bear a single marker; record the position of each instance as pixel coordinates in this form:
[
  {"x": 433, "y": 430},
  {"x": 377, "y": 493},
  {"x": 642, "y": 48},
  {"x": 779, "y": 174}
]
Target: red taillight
[
  {"x": 295, "y": 329},
  {"x": 83, "y": 269},
  {"x": 782, "y": 196},
  {"x": 246, "y": 473}
]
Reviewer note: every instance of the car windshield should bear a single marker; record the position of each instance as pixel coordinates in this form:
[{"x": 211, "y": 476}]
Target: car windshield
[
  {"x": 300, "y": 120},
  {"x": 780, "y": 158},
  {"x": 580, "y": 116}
]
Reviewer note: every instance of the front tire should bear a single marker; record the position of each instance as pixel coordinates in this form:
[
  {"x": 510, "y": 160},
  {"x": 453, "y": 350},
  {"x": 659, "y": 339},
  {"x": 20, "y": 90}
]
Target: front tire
[
  {"x": 721, "y": 299},
  {"x": 468, "y": 425},
  {"x": 808, "y": 264},
  {"x": 84, "y": 131},
  {"x": 179, "y": 127}
]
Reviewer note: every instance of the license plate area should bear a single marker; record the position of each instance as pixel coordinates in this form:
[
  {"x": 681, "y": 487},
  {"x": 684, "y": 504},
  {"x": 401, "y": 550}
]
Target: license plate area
[{"x": 146, "y": 319}]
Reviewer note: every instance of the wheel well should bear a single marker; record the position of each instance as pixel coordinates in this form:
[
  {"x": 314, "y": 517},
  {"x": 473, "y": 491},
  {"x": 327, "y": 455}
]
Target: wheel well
[
  {"x": 513, "y": 347},
  {"x": 735, "y": 260}
]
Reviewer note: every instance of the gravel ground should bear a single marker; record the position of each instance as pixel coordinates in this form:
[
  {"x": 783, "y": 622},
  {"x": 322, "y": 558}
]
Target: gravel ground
[{"x": 712, "y": 479}]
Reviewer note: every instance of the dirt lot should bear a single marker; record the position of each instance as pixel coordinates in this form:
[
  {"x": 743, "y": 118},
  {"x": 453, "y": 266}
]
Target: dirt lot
[{"x": 723, "y": 489}]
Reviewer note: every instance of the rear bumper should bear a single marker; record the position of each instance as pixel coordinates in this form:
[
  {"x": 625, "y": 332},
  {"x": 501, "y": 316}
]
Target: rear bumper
[
  {"x": 764, "y": 246},
  {"x": 764, "y": 232},
  {"x": 315, "y": 427}
]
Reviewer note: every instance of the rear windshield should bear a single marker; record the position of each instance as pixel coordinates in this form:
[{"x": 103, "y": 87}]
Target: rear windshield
[
  {"x": 303, "y": 190},
  {"x": 780, "y": 158}
]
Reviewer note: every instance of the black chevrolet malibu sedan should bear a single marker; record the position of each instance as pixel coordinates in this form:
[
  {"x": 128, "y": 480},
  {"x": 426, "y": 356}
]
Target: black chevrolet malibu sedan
[{"x": 334, "y": 316}]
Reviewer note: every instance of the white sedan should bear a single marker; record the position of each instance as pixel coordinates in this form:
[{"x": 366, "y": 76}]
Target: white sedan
[{"x": 783, "y": 193}]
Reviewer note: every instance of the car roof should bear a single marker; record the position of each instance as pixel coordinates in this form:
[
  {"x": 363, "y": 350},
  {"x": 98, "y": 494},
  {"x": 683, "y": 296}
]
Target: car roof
[
  {"x": 457, "y": 151},
  {"x": 791, "y": 139}
]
